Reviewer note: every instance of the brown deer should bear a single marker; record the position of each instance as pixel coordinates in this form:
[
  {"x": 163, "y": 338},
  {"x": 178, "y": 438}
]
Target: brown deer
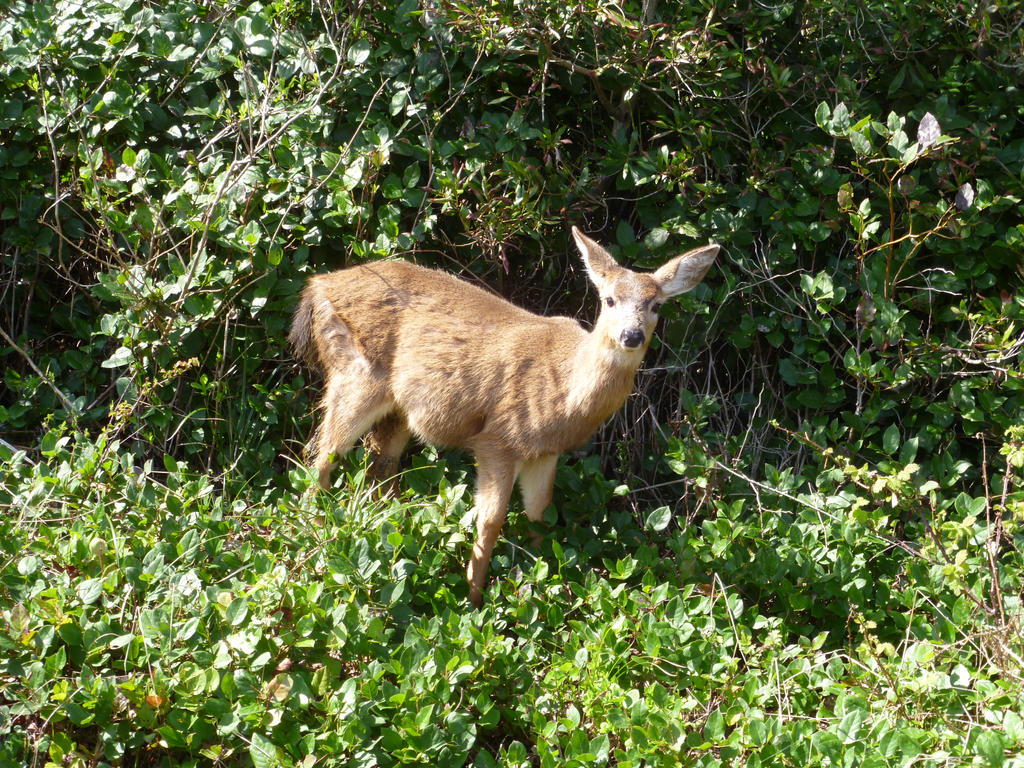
[{"x": 410, "y": 351}]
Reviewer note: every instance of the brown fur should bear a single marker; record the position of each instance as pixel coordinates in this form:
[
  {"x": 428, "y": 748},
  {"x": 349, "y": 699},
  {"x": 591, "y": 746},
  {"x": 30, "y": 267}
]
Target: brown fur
[{"x": 408, "y": 351}]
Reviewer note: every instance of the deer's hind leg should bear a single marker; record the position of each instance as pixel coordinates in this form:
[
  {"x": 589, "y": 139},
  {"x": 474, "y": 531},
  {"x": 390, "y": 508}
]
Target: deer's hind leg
[
  {"x": 356, "y": 396},
  {"x": 354, "y": 402}
]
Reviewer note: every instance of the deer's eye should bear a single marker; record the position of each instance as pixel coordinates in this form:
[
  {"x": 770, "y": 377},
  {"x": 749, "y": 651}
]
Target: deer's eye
[
  {"x": 655, "y": 306},
  {"x": 609, "y": 301}
]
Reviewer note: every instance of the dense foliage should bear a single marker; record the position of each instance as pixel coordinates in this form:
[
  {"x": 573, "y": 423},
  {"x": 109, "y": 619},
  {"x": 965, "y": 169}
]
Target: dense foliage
[{"x": 798, "y": 544}]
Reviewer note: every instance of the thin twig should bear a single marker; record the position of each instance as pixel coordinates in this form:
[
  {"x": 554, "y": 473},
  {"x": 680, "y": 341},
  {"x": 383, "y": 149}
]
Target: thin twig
[{"x": 68, "y": 406}]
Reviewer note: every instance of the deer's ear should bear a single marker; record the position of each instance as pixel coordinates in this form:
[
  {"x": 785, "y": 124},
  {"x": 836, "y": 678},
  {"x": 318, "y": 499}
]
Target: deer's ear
[
  {"x": 685, "y": 271},
  {"x": 601, "y": 267}
]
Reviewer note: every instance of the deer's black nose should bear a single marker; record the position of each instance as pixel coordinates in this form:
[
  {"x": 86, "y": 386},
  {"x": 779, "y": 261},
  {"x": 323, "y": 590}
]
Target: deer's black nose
[{"x": 632, "y": 338}]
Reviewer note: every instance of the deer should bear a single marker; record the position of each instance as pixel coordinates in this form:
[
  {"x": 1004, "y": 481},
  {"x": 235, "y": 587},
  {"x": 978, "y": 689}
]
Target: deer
[{"x": 408, "y": 351}]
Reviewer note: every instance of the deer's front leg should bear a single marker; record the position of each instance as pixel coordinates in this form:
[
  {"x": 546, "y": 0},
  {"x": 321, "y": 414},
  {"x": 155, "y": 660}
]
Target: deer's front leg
[{"x": 536, "y": 479}]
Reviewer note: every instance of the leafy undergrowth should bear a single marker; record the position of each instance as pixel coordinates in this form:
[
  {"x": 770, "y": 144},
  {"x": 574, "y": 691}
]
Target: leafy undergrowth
[{"x": 154, "y": 618}]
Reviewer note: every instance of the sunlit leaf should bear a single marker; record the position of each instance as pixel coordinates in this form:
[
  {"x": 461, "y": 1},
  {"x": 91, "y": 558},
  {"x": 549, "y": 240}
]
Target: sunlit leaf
[
  {"x": 359, "y": 52},
  {"x": 928, "y": 132},
  {"x": 237, "y": 611},
  {"x": 262, "y": 752},
  {"x": 659, "y": 519},
  {"x": 964, "y": 197}
]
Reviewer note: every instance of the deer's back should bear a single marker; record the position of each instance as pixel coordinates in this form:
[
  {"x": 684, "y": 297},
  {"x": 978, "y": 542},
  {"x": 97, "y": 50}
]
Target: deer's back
[{"x": 393, "y": 303}]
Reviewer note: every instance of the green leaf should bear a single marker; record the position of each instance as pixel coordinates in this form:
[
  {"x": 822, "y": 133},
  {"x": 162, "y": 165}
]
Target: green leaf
[
  {"x": 757, "y": 730},
  {"x": 819, "y": 231},
  {"x": 182, "y": 53},
  {"x": 714, "y": 728},
  {"x": 359, "y": 52},
  {"x": 656, "y": 238},
  {"x": 78, "y": 714},
  {"x": 89, "y": 590},
  {"x": 861, "y": 143},
  {"x": 353, "y": 175},
  {"x": 237, "y": 611},
  {"x": 250, "y": 234},
  {"x": 908, "y": 744},
  {"x": 121, "y": 641},
  {"x": 600, "y": 746},
  {"x": 60, "y": 745},
  {"x": 848, "y": 728},
  {"x": 582, "y": 658},
  {"x": 122, "y": 356},
  {"x": 10, "y": 111},
  {"x": 1013, "y": 727},
  {"x": 840, "y": 120},
  {"x": 263, "y": 752},
  {"x": 624, "y": 234},
  {"x": 392, "y": 187},
  {"x": 463, "y": 730},
  {"x": 411, "y": 176},
  {"x": 908, "y": 451},
  {"x": 822, "y": 116},
  {"x": 262, "y": 47},
  {"x": 891, "y": 439},
  {"x": 990, "y": 745},
  {"x": 188, "y": 628},
  {"x": 398, "y": 101},
  {"x": 658, "y": 519}
]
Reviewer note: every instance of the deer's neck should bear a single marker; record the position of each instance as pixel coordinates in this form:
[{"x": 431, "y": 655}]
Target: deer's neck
[{"x": 601, "y": 377}]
